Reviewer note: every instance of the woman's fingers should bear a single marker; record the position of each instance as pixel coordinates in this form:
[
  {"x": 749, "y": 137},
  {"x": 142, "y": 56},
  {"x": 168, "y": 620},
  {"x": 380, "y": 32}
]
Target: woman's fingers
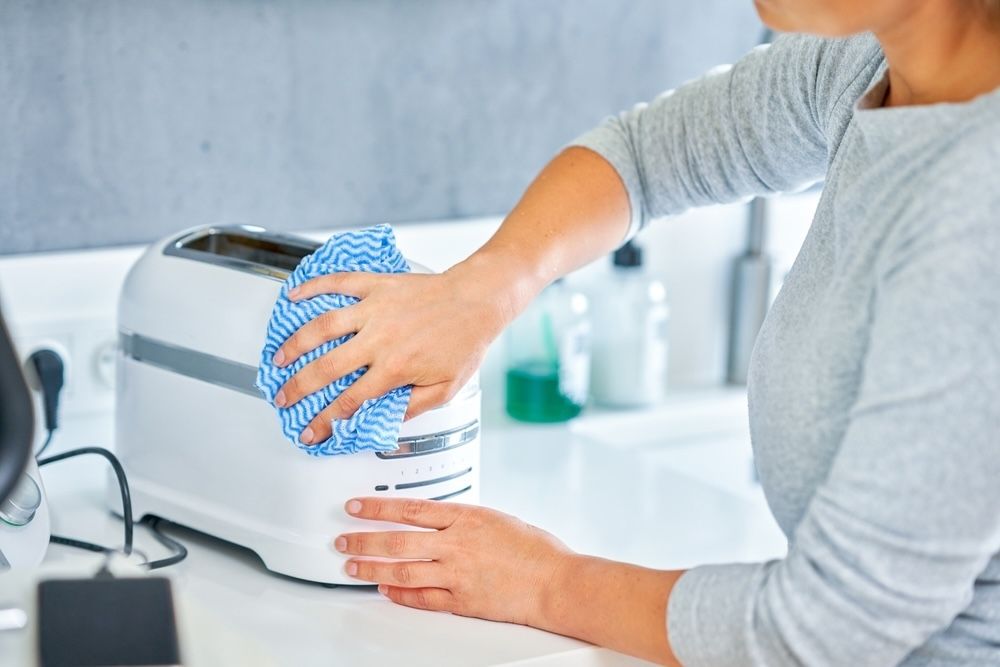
[
  {"x": 411, "y": 573},
  {"x": 374, "y": 383},
  {"x": 425, "y": 398},
  {"x": 354, "y": 283},
  {"x": 320, "y": 372},
  {"x": 432, "y": 599},
  {"x": 409, "y": 511},
  {"x": 370, "y": 385},
  {"x": 392, "y": 544},
  {"x": 326, "y": 327}
]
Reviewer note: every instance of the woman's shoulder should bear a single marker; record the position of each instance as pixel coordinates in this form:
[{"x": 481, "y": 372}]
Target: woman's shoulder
[
  {"x": 960, "y": 145},
  {"x": 836, "y": 58},
  {"x": 837, "y": 72},
  {"x": 954, "y": 196},
  {"x": 964, "y": 177}
]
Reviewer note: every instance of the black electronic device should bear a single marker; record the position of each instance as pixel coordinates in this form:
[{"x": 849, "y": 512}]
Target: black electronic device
[
  {"x": 16, "y": 418},
  {"x": 106, "y": 621}
]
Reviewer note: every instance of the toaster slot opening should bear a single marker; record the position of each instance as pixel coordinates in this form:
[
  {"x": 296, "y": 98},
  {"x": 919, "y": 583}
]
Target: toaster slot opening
[{"x": 244, "y": 248}]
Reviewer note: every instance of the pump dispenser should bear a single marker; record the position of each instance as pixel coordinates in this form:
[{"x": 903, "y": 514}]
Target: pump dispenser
[{"x": 631, "y": 324}]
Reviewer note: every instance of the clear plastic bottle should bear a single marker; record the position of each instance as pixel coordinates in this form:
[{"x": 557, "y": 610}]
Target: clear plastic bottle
[
  {"x": 548, "y": 357},
  {"x": 631, "y": 324}
]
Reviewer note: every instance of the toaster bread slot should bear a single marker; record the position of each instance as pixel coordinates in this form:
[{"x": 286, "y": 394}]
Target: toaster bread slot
[{"x": 244, "y": 248}]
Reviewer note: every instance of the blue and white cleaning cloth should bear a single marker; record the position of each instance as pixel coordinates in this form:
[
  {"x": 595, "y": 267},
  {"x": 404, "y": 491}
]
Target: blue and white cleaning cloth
[{"x": 375, "y": 426}]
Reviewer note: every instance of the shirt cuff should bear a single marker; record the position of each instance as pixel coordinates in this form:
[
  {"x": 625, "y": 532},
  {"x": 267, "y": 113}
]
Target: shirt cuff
[
  {"x": 607, "y": 140},
  {"x": 709, "y": 614}
]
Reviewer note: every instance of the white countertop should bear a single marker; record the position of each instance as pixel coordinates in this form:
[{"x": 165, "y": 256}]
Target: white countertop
[{"x": 667, "y": 488}]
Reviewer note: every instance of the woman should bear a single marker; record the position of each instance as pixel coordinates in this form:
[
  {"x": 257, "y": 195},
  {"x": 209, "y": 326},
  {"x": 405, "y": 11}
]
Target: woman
[{"x": 875, "y": 383}]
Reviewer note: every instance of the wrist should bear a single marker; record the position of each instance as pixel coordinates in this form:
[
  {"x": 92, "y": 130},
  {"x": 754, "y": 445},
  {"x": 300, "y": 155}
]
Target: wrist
[
  {"x": 610, "y": 604},
  {"x": 555, "y": 607},
  {"x": 504, "y": 277}
]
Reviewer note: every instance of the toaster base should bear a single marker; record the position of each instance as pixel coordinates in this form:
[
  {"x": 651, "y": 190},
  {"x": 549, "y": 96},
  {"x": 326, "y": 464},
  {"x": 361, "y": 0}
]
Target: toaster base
[{"x": 309, "y": 557}]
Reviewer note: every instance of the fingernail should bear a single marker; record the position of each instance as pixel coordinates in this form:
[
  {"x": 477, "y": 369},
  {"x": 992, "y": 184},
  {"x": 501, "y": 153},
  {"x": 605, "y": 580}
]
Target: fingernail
[
  {"x": 352, "y": 569},
  {"x": 340, "y": 544},
  {"x": 280, "y": 400},
  {"x": 353, "y": 506},
  {"x": 383, "y": 589},
  {"x": 294, "y": 292},
  {"x": 279, "y": 357},
  {"x": 307, "y": 436}
]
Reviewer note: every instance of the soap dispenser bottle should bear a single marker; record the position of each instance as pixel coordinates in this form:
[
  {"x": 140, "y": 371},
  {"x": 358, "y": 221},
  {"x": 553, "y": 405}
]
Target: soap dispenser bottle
[
  {"x": 548, "y": 357},
  {"x": 631, "y": 325}
]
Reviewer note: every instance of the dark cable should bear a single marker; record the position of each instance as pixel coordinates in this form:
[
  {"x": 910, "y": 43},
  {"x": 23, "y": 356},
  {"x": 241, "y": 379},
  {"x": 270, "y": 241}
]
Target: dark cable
[
  {"x": 180, "y": 551},
  {"x": 51, "y": 373},
  {"x": 79, "y": 544},
  {"x": 45, "y": 445},
  {"x": 122, "y": 484}
]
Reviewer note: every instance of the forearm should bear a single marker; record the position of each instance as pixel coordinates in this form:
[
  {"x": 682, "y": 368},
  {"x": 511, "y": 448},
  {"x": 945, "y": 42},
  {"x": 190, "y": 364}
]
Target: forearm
[
  {"x": 611, "y": 604},
  {"x": 576, "y": 210}
]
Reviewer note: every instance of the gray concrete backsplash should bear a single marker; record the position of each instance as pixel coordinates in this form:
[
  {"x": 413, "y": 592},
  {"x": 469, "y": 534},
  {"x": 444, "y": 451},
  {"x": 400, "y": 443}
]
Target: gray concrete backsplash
[{"x": 122, "y": 121}]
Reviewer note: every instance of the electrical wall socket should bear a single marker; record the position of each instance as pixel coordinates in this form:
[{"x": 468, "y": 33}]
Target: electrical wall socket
[
  {"x": 87, "y": 346},
  {"x": 68, "y": 301}
]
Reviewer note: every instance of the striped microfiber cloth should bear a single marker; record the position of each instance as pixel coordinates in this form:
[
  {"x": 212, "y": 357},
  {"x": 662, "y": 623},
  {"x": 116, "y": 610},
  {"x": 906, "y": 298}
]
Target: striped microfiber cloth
[{"x": 375, "y": 426}]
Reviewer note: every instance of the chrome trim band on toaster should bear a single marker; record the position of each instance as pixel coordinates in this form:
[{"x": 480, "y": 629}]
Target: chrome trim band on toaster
[
  {"x": 242, "y": 378},
  {"x": 435, "y": 442},
  {"x": 191, "y": 363}
]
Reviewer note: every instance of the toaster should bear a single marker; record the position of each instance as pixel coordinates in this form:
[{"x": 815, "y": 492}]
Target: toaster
[{"x": 201, "y": 446}]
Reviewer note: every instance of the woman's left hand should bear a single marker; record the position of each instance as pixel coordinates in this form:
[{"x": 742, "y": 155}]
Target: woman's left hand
[{"x": 474, "y": 562}]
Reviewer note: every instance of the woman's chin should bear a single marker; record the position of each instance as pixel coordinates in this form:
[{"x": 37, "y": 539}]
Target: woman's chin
[
  {"x": 774, "y": 18},
  {"x": 814, "y": 22}
]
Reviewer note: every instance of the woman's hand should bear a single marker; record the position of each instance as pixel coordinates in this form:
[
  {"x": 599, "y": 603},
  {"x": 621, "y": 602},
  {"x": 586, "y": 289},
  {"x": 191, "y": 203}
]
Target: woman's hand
[
  {"x": 474, "y": 562},
  {"x": 429, "y": 331},
  {"x": 479, "y": 562}
]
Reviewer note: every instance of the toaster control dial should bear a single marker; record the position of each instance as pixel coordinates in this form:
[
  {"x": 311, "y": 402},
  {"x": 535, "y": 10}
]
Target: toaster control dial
[{"x": 19, "y": 509}]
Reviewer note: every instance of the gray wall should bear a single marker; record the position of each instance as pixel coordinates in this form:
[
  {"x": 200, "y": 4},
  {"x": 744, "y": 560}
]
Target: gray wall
[{"x": 122, "y": 121}]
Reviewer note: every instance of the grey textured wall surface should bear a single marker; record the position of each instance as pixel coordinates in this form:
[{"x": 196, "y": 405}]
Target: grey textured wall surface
[{"x": 124, "y": 120}]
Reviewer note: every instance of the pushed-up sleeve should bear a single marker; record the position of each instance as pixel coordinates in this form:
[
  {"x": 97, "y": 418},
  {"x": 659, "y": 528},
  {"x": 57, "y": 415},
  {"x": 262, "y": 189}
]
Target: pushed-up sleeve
[{"x": 758, "y": 127}]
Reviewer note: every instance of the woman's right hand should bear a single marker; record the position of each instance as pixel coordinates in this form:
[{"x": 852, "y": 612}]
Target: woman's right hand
[{"x": 430, "y": 331}]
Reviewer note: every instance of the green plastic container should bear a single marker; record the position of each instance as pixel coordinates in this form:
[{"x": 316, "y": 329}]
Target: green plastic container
[
  {"x": 548, "y": 358},
  {"x": 533, "y": 394}
]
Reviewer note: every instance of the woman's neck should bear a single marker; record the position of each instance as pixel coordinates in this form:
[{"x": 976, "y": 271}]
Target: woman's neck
[{"x": 942, "y": 51}]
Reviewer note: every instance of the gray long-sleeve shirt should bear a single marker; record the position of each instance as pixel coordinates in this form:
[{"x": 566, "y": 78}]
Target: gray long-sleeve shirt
[{"x": 875, "y": 381}]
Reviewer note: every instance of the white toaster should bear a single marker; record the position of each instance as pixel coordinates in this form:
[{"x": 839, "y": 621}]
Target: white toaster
[{"x": 201, "y": 446}]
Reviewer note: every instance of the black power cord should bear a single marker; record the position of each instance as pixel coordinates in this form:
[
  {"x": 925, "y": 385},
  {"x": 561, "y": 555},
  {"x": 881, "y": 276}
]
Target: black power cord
[
  {"x": 122, "y": 485},
  {"x": 51, "y": 370},
  {"x": 154, "y": 523},
  {"x": 51, "y": 373},
  {"x": 45, "y": 444},
  {"x": 180, "y": 551},
  {"x": 79, "y": 544}
]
